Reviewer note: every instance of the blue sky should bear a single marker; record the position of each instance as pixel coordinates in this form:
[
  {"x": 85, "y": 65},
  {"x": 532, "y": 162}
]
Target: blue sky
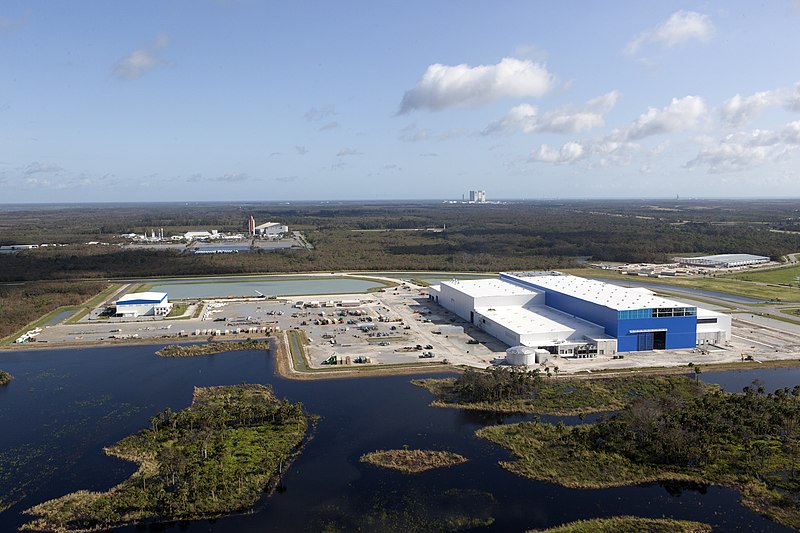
[{"x": 263, "y": 101}]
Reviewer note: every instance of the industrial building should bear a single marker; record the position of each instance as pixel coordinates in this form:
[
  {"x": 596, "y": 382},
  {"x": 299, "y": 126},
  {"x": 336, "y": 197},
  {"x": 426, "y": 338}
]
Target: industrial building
[
  {"x": 271, "y": 229},
  {"x": 201, "y": 235},
  {"x": 723, "y": 260},
  {"x": 477, "y": 197},
  {"x": 573, "y": 316},
  {"x": 143, "y": 304}
]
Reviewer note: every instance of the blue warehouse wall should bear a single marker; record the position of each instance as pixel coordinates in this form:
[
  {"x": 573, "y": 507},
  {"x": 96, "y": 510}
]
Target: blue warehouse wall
[{"x": 681, "y": 332}]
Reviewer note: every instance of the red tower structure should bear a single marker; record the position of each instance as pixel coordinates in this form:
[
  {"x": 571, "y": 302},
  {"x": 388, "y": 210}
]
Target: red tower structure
[{"x": 252, "y": 225}]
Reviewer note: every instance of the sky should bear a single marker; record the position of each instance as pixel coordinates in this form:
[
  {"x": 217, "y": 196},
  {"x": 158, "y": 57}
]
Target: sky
[{"x": 244, "y": 100}]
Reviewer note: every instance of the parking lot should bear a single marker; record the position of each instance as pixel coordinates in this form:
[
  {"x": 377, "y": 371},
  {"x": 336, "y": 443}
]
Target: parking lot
[{"x": 397, "y": 325}]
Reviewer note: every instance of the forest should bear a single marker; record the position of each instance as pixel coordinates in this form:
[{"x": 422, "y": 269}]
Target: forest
[
  {"x": 215, "y": 457},
  {"x": 750, "y": 441},
  {"x": 396, "y": 236}
]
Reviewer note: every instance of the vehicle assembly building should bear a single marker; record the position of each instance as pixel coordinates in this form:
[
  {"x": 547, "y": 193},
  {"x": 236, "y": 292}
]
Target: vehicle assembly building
[
  {"x": 143, "y": 304},
  {"x": 573, "y": 316},
  {"x": 271, "y": 229}
]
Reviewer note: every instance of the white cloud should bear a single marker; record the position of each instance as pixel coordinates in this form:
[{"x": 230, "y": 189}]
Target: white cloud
[
  {"x": 40, "y": 168},
  {"x": 527, "y": 118},
  {"x": 347, "y": 151},
  {"x": 793, "y": 100},
  {"x": 302, "y": 150},
  {"x": 680, "y": 27},
  {"x": 569, "y": 153},
  {"x": 619, "y": 146},
  {"x": 681, "y": 114},
  {"x": 142, "y": 60},
  {"x": 443, "y": 86},
  {"x": 745, "y": 150},
  {"x": 739, "y": 110},
  {"x": 329, "y": 126}
]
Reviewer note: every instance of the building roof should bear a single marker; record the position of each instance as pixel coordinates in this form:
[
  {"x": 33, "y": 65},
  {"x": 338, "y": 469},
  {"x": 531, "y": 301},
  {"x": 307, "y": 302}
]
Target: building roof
[
  {"x": 538, "y": 319},
  {"x": 478, "y": 288},
  {"x": 266, "y": 225},
  {"x": 727, "y": 258},
  {"x": 599, "y": 292},
  {"x": 135, "y": 298}
]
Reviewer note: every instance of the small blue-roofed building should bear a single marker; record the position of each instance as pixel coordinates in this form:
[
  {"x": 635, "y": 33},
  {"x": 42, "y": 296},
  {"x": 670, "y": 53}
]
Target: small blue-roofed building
[{"x": 143, "y": 304}]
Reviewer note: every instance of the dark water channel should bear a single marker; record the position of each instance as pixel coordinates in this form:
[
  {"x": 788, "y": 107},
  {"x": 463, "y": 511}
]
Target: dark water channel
[{"x": 64, "y": 406}]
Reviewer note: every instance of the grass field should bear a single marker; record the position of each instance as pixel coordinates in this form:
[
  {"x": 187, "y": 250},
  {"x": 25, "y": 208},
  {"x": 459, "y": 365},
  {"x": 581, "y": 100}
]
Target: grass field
[
  {"x": 783, "y": 276},
  {"x": 732, "y": 286}
]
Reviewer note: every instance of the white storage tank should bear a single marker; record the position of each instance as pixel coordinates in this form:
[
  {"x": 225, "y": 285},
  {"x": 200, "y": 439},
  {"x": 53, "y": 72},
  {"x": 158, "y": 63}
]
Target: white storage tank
[{"x": 521, "y": 355}]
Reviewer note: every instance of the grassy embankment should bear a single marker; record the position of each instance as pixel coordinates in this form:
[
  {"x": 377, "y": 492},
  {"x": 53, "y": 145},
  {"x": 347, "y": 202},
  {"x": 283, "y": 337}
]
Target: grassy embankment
[
  {"x": 413, "y": 461},
  {"x": 618, "y": 524},
  {"x": 750, "y": 441},
  {"x": 569, "y": 396},
  {"x": 737, "y": 287},
  {"x": 26, "y": 306},
  {"x": 210, "y": 459},
  {"x": 5, "y": 378},
  {"x": 193, "y": 350}
]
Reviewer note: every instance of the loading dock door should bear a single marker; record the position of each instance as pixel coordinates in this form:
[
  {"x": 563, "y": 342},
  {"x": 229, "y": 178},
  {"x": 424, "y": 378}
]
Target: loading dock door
[
  {"x": 651, "y": 340},
  {"x": 644, "y": 342},
  {"x": 660, "y": 340}
]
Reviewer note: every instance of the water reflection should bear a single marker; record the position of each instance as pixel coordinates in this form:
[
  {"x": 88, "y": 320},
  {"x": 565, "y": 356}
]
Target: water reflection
[{"x": 66, "y": 405}]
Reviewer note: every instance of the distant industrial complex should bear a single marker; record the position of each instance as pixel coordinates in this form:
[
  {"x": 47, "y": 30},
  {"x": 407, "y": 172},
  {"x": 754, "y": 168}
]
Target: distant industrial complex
[
  {"x": 723, "y": 260},
  {"x": 572, "y": 316}
]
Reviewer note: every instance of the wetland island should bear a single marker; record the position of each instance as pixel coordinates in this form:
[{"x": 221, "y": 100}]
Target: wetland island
[{"x": 211, "y": 459}]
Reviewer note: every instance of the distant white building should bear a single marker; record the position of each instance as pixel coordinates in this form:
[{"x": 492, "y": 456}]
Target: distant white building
[
  {"x": 143, "y": 304},
  {"x": 201, "y": 235},
  {"x": 271, "y": 229},
  {"x": 723, "y": 260},
  {"x": 477, "y": 197}
]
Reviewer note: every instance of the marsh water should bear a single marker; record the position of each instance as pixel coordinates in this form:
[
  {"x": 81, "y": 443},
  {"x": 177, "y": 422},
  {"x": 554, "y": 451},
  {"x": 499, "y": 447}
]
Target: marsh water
[{"x": 64, "y": 406}]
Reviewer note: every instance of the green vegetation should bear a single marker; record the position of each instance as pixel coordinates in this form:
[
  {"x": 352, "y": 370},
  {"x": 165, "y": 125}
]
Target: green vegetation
[
  {"x": 178, "y": 309},
  {"x": 629, "y": 524},
  {"x": 5, "y": 378},
  {"x": 487, "y": 238},
  {"x": 515, "y": 391},
  {"x": 413, "y": 461},
  {"x": 786, "y": 275},
  {"x": 193, "y": 350},
  {"x": 750, "y": 441},
  {"x": 211, "y": 459},
  {"x": 297, "y": 339},
  {"x": 29, "y": 305},
  {"x": 720, "y": 284}
]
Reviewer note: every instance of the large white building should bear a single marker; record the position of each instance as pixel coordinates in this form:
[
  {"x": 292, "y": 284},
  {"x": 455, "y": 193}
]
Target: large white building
[
  {"x": 724, "y": 260},
  {"x": 143, "y": 304},
  {"x": 271, "y": 229},
  {"x": 573, "y": 316}
]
